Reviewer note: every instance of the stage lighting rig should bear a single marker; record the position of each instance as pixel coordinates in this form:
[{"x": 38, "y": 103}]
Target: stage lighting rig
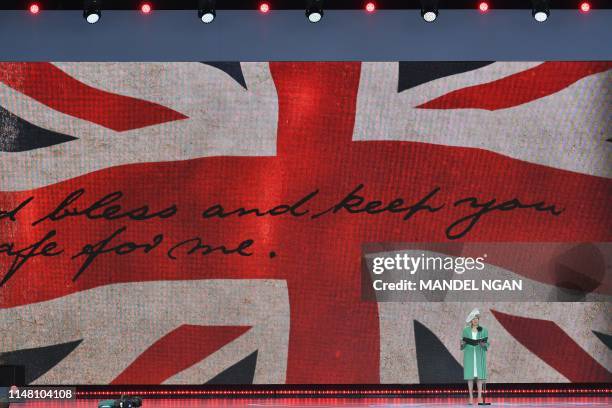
[
  {"x": 264, "y": 7},
  {"x": 314, "y": 10},
  {"x": 91, "y": 11},
  {"x": 146, "y": 8},
  {"x": 429, "y": 10},
  {"x": 34, "y": 8},
  {"x": 206, "y": 11},
  {"x": 585, "y": 7},
  {"x": 540, "y": 10}
]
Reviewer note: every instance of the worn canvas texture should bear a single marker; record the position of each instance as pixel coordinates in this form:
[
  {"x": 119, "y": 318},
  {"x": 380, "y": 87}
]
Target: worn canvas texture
[{"x": 191, "y": 223}]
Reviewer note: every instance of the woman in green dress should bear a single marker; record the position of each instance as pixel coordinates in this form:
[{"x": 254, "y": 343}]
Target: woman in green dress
[{"x": 474, "y": 343}]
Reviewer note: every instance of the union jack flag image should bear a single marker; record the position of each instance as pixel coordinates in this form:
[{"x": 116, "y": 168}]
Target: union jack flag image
[{"x": 193, "y": 223}]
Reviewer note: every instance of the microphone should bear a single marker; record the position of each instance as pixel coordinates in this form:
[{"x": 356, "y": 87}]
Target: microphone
[{"x": 479, "y": 329}]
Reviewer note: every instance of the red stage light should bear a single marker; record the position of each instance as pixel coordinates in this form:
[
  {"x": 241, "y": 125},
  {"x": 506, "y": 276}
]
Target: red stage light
[
  {"x": 34, "y": 8},
  {"x": 370, "y": 7},
  {"x": 585, "y": 7},
  {"x": 264, "y": 7},
  {"x": 146, "y": 8},
  {"x": 483, "y": 6}
]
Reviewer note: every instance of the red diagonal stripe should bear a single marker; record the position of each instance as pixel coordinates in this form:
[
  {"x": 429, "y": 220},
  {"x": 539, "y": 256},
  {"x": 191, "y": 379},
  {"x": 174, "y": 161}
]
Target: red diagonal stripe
[
  {"x": 550, "y": 343},
  {"x": 522, "y": 87},
  {"x": 56, "y": 89},
  {"x": 177, "y": 351}
]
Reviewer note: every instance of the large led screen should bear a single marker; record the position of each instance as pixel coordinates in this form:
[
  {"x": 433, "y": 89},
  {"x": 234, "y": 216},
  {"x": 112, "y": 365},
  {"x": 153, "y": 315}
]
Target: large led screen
[{"x": 305, "y": 223}]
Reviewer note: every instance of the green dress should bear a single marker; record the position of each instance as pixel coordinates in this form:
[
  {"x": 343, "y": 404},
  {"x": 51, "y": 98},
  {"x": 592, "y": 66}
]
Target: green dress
[{"x": 480, "y": 353}]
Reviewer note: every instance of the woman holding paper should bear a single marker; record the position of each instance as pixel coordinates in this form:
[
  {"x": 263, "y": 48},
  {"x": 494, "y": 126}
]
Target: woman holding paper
[{"x": 474, "y": 343}]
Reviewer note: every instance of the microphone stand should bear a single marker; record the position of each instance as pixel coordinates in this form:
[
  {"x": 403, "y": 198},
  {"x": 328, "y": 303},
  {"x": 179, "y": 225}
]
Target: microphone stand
[
  {"x": 484, "y": 385},
  {"x": 484, "y": 393}
]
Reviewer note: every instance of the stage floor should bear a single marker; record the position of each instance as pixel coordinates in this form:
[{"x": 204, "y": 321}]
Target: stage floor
[{"x": 579, "y": 402}]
